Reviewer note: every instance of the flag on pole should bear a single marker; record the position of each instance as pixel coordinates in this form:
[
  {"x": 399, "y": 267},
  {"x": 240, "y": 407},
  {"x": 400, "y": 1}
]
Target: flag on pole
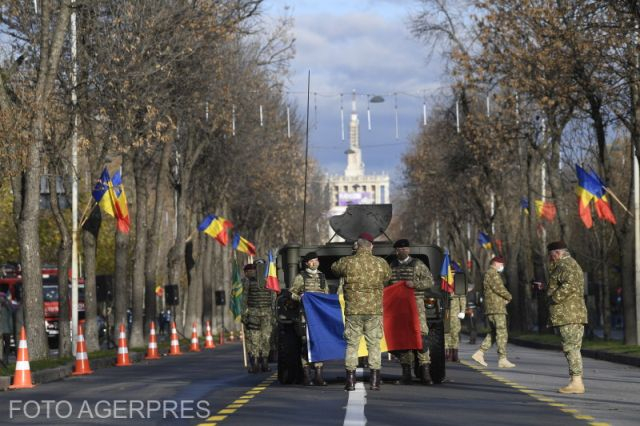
[
  {"x": 243, "y": 245},
  {"x": 591, "y": 188},
  {"x": 524, "y": 205},
  {"x": 603, "y": 207},
  {"x": 235, "y": 301},
  {"x": 217, "y": 227},
  {"x": 271, "y": 276},
  {"x": 102, "y": 193},
  {"x": 545, "y": 209},
  {"x": 123, "y": 223},
  {"x": 446, "y": 274},
  {"x": 484, "y": 240}
]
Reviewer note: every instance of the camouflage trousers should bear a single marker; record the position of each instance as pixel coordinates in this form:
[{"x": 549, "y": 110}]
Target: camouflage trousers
[
  {"x": 571, "y": 338},
  {"x": 452, "y": 338},
  {"x": 408, "y": 357},
  {"x": 498, "y": 334},
  {"x": 258, "y": 339},
  {"x": 356, "y": 326}
]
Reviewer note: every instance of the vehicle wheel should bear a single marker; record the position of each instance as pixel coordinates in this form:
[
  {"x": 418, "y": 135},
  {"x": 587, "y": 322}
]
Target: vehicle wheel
[
  {"x": 289, "y": 365},
  {"x": 53, "y": 342},
  {"x": 436, "y": 351}
]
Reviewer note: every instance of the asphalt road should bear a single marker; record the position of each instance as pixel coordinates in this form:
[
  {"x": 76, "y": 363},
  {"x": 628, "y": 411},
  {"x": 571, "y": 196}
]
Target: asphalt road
[{"x": 212, "y": 387}]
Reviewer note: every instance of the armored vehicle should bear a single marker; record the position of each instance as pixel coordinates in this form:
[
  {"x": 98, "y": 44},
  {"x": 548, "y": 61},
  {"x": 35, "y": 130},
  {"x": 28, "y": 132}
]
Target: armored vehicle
[{"x": 373, "y": 219}]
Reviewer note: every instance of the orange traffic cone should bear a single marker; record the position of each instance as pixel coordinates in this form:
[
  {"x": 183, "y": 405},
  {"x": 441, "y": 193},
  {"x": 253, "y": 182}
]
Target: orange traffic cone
[
  {"x": 195, "y": 344},
  {"x": 208, "y": 340},
  {"x": 221, "y": 337},
  {"x": 22, "y": 377},
  {"x": 82, "y": 359},
  {"x": 175, "y": 344},
  {"x": 152, "y": 349},
  {"x": 123, "y": 351}
]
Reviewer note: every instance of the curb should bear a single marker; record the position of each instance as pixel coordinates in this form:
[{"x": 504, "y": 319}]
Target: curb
[{"x": 590, "y": 353}]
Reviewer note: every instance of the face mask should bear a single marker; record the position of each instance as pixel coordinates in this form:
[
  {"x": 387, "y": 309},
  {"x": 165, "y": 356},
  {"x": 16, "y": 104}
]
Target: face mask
[{"x": 500, "y": 269}]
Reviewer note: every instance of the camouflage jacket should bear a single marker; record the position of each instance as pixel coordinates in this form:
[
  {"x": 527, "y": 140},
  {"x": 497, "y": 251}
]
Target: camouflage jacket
[
  {"x": 313, "y": 284},
  {"x": 420, "y": 276},
  {"x": 565, "y": 293},
  {"x": 496, "y": 295},
  {"x": 364, "y": 276},
  {"x": 256, "y": 299}
]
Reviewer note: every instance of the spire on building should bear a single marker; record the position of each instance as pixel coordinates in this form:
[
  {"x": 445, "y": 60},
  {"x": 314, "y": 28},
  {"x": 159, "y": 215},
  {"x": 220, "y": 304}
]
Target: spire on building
[{"x": 355, "y": 167}]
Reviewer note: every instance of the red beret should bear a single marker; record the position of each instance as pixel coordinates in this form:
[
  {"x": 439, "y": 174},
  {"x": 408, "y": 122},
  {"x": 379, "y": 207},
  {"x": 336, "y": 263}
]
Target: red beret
[
  {"x": 497, "y": 259},
  {"x": 366, "y": 236}
]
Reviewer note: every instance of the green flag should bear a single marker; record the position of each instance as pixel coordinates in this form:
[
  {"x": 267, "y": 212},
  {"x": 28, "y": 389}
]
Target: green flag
[{"x": 235, "y": 303}]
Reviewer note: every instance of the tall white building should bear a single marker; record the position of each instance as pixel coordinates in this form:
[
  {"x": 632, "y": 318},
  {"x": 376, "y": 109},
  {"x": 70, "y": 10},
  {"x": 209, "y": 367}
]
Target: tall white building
[{"x": 356, "y": 187}]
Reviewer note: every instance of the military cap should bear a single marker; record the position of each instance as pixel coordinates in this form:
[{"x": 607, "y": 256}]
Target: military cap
[
  {"x": 250, "y": 267},
  {"x": 556, "y": 245},
  {"x": 366, "y": 236},
  {"x": 497, "y": 259},
  {"x": 402, "y": 243},
  {"x": 309, "y": 256}
]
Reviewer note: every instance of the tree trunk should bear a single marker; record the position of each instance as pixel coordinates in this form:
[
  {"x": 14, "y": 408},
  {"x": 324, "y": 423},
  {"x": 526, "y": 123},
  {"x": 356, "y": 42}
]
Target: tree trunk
[
  {"x": 90, "y": 232},
  {"x": 137, "y": 333},
  {"x": 207, "y": 282},
  {"x": 64, "y": 255}
]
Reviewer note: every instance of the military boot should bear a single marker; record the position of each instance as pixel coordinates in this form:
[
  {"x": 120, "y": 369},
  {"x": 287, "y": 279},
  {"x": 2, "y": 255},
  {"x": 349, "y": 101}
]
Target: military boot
[
  {"x": 425, "y": 377},
  {"x": 319, "y": 380},
  {"x": 478, "y": 357},
  {"x": 505, "y": 363},
  {"x": 374, "y": 380},
  {"x": 253, "y": 367},
  {"x": 575, "y": 386},
  {"x": 264, "y": 364},
  {"x": 454, "y": 355},
  {"x": 406, "y": 374},
  {"x": 350, "y": 382},
  {"x": 306, "y": 376}
]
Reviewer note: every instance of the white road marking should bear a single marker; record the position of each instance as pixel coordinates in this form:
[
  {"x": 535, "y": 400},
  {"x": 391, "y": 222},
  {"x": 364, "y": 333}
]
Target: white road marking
[{"x": 355, "y": 407}]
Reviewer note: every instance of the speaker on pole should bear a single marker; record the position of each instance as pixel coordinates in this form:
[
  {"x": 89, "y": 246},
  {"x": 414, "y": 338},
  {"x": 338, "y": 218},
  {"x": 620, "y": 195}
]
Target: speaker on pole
[
  {"x": 171, "y": 295},
  {"x": 220, "y": 298}
]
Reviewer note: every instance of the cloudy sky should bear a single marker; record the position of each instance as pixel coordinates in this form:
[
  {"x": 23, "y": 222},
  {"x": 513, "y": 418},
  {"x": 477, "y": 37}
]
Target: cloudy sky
[{"x": 361, "y": 45}]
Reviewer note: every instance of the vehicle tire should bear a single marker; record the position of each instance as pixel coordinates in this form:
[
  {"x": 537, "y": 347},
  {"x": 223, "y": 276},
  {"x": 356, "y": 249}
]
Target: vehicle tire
[
  {"x": 289, "y": 365},
  {"x": 53, "y": 342},
  {"x": 436, "y": 351}
]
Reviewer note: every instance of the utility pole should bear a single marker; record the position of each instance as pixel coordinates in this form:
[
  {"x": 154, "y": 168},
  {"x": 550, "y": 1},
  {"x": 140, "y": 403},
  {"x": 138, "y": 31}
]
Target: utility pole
[{"x": 74, "y": 184}]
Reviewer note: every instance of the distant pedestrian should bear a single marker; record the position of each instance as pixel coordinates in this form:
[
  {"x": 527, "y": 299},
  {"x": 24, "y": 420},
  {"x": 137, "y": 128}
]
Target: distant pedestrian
[
  {"x": 496, "y": 298},
  {"x": 567, "y": 310},
  {"x": 364, "y": 276}
]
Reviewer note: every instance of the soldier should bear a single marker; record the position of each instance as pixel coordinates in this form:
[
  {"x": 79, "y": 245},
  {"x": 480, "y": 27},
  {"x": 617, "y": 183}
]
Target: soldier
[
  {"x": 309, "y": 280},
  {"x": 452, "y": 338},
  {"x": 417, "y": 276},
  {"x": 496, "y": 297},
  {"x": 257, "y": 319},
  {"x": 364, "y": 278},
  {"x": 567, "y": 310}
]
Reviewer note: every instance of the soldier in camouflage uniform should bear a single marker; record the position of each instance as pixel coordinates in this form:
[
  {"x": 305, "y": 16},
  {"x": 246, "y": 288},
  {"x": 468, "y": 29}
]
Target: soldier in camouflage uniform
[
  {"x": 257, "y": 318},
  {"x": 452, "y": 338},
  {"x": 567, "y": 310},
  {"x": 496, "y": 297},
  {"x": 417, "y": 276},
  {"x": 310, "y": 280},
  {"x": 364, "y": 276}
]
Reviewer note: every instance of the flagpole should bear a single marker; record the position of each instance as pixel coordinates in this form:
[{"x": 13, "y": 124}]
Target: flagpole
[
  {"x": 620, "y": 202},
  {"x": 636, "y": 222},
  {"x": 306, "y": 165},
  {"x": 74, "y": 184},
  {"x": 244, "y": 345}
]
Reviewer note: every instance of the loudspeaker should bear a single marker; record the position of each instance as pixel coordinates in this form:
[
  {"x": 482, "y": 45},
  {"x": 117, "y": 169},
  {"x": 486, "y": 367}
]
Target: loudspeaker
[
  {"x": 171, "y": 295},
  {"x": 220, "y": 298},
  {"x": 104, "y": 288}
]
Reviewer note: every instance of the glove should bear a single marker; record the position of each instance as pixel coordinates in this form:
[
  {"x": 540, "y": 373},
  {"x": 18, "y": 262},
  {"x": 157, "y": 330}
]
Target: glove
[{"x": 461, "y": 315}]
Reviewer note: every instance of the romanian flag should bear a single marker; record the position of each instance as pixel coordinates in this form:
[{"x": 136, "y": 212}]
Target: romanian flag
[
  {"x": 446, "y": 274},
  {"x": 243, "y": 245},
  {"x": 400, "y": 318},
  {"x": 325, "y": 327},
  {"x": 123, "y": 223},
  {"x": 235, "y": 302},
  {"x": 591, "y": 188},
  {"x": 545, "y": 209},
  {"x": 484, "y": 240},
  {"x": 524, "y": 205},
  {"x": 216, "y": 227},
  {"x": 271, "y": 276},
  {"x": 103, "y": 193}
]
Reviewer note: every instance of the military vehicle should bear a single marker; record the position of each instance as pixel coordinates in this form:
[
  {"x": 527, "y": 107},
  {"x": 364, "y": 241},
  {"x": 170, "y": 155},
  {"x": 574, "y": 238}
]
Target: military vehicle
[{"x": 373, "y": 219}]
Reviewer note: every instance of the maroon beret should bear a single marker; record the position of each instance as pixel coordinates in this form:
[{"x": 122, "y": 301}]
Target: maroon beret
[
  {"x": 366, "y": 236},
  {"x": 497, "y": 259}
]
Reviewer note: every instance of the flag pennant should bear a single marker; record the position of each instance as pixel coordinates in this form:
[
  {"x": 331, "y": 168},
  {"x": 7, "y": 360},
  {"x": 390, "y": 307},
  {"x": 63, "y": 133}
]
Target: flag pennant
[
  {"x": 603, "y": 207},
  {"x": 241, "y": 244},
  {"x": 235, "y": 302},
  {"x": 123, "y": 223},
  {"x": 446, "y": 274},
  {"x": 545, "y": 209},
  {"x": 524, "y": 205},
  {"x": 102, "y": 193},
  {"x": 484, "y": 240},
  {"x": 217, "y": 227},
  {"x": 591, "y": 188},
  {"x": 271, "y": 276}
]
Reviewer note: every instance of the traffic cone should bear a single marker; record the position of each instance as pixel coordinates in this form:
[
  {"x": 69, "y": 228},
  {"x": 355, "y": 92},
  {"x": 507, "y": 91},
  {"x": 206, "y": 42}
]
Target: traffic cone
[
  {"x": 82, "y": 359},
  {"x": 22, "y": 376},
  {"x": 221, "y": 337},
  {"x": 175, "y": 344},
  {"x": 195, "y": 344},
  {"x": 208, "y": 340},
  {"x": 152, "y": 349},
  {"x": 123, "y": 352}
]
